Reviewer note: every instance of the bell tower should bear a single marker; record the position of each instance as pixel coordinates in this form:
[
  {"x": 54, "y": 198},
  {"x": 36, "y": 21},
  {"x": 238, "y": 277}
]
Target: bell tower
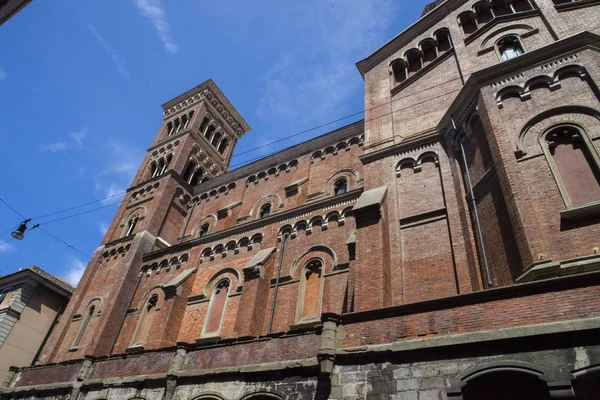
[{"x": 197, "y": 138}]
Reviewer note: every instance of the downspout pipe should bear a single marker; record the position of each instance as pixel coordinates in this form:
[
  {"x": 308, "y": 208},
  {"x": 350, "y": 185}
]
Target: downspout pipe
[
  {"x": 474, "y": 205},
  {"x": 283, "y": 242}
]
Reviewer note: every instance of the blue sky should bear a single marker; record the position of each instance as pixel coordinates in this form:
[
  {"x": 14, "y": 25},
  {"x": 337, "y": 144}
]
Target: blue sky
[{"x": 81, "y": 84}]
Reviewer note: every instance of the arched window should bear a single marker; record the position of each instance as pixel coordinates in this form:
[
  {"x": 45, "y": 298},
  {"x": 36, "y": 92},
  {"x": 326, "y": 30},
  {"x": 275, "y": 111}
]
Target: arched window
[
  {"x": 84, "y": 325},
  {"x": 483, "y": 12},
  {"x": 169, "y": 128},
  {"x": 509, "y": 48},
  {"x": 216, "y": 311},
  {"x": 204, "y": 125},
  {"x": 429, "y": 50},
  {"x": 131, "y": 224},
  {"x": 310, "y": 291},
  {"x": 265, "y": 211},
  {"x": 169, "y": 158},
  {"x": 340, "y": 187},
  {"x": 413, "y": 57},
  {"x": 574, "y": 164},
  {"x": 177, "y": 124},
  {"x": 521, "y": 5},
  {"x": 443, "y": 39},
  {"x": 145, "y": 322},
  {"x": 189, "y": 171},
  {"x": 398, "y": 70},
  {"x": 467, "y": 21},
  {"x": 501, "y": 7},
  {"x": 215, "y": 140},
  {"x": 209, "y": 132},
  {"x": 204, "y": 230},
  {"x": 160, "y": 166},
  {"x": 153, "y": 170},
  {"x": 223, "y": 146},
  {"x": 197, "y": 177}
]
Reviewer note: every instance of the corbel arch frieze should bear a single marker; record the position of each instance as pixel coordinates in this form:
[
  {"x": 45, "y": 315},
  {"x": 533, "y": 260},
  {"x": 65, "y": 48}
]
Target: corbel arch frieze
[
  {"x": 417, "y": 162},
  {"x": 550, "y": 80}
]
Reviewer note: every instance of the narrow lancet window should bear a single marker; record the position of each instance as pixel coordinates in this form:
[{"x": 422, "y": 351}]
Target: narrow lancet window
[
  {"x": 573, "y": 164},
  {"x": 217, "y": 308},
  {"x": 144, "y": 324},
  {"x": 310, "y": 297},
  {"x": 84, "y": 325}
]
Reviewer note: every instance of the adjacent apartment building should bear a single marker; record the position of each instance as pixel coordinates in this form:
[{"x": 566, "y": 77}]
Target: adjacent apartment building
[
  {"x": 446, "y": 247},
  {"x": 31, "y": 301}
]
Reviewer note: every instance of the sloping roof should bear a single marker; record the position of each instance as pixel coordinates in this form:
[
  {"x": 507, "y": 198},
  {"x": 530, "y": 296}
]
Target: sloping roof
[{"x": 52, "y": 282}]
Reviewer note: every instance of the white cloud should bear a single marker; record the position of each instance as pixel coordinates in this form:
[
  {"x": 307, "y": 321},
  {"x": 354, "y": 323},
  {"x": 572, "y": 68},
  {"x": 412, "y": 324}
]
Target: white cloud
[
  {"x": 153, "y": 10},
  {"x": 122, "y": 160},
  {"x": 6, "y": 247},
  {"x": 3, "y": 74},
  {"x": 76, "y": 142},
  {"x": 117, "y": 60},
  {"x": 312, "y": 82},
  {"x": 75, "y": 270},
  {"x": 110, "y": 194},
  {"x": 103, "y": 228}
]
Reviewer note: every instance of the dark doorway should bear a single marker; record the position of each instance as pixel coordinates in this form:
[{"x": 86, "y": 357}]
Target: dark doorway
[{"x": 506, "y": 385}]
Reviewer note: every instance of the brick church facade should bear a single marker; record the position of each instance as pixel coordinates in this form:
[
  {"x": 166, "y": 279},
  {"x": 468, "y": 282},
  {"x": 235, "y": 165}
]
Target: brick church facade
[{"x": 444, "y": 248}]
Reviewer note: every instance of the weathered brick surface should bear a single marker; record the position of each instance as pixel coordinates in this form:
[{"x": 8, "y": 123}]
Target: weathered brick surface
[{"x": 421, "y": 244}]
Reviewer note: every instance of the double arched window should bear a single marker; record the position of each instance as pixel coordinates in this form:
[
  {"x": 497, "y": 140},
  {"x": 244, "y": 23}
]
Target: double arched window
[
  {"x": 217, "y": 308},
  {"x": 574, "y": 163},
  {"x": 179, "y": 123},
  {"x": 160, "y": 167},
  {"x": 193, "y": 174}
]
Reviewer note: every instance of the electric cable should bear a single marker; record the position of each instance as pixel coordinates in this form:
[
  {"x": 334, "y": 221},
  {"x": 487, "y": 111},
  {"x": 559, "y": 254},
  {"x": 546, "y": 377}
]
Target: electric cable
[
  {"x": 78, "y": 214},
  {"x": 78, "y": 206},
  {"x": 15, "y": 211}
]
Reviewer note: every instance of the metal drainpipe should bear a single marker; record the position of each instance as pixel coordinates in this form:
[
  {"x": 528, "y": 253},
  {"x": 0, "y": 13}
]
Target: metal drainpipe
[
  {"x": 474, "y": 205},
  {"x": 283, "y": 242}
]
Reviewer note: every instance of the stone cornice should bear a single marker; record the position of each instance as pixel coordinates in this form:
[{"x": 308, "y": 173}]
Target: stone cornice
[{"x": 210, "y": 91}]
